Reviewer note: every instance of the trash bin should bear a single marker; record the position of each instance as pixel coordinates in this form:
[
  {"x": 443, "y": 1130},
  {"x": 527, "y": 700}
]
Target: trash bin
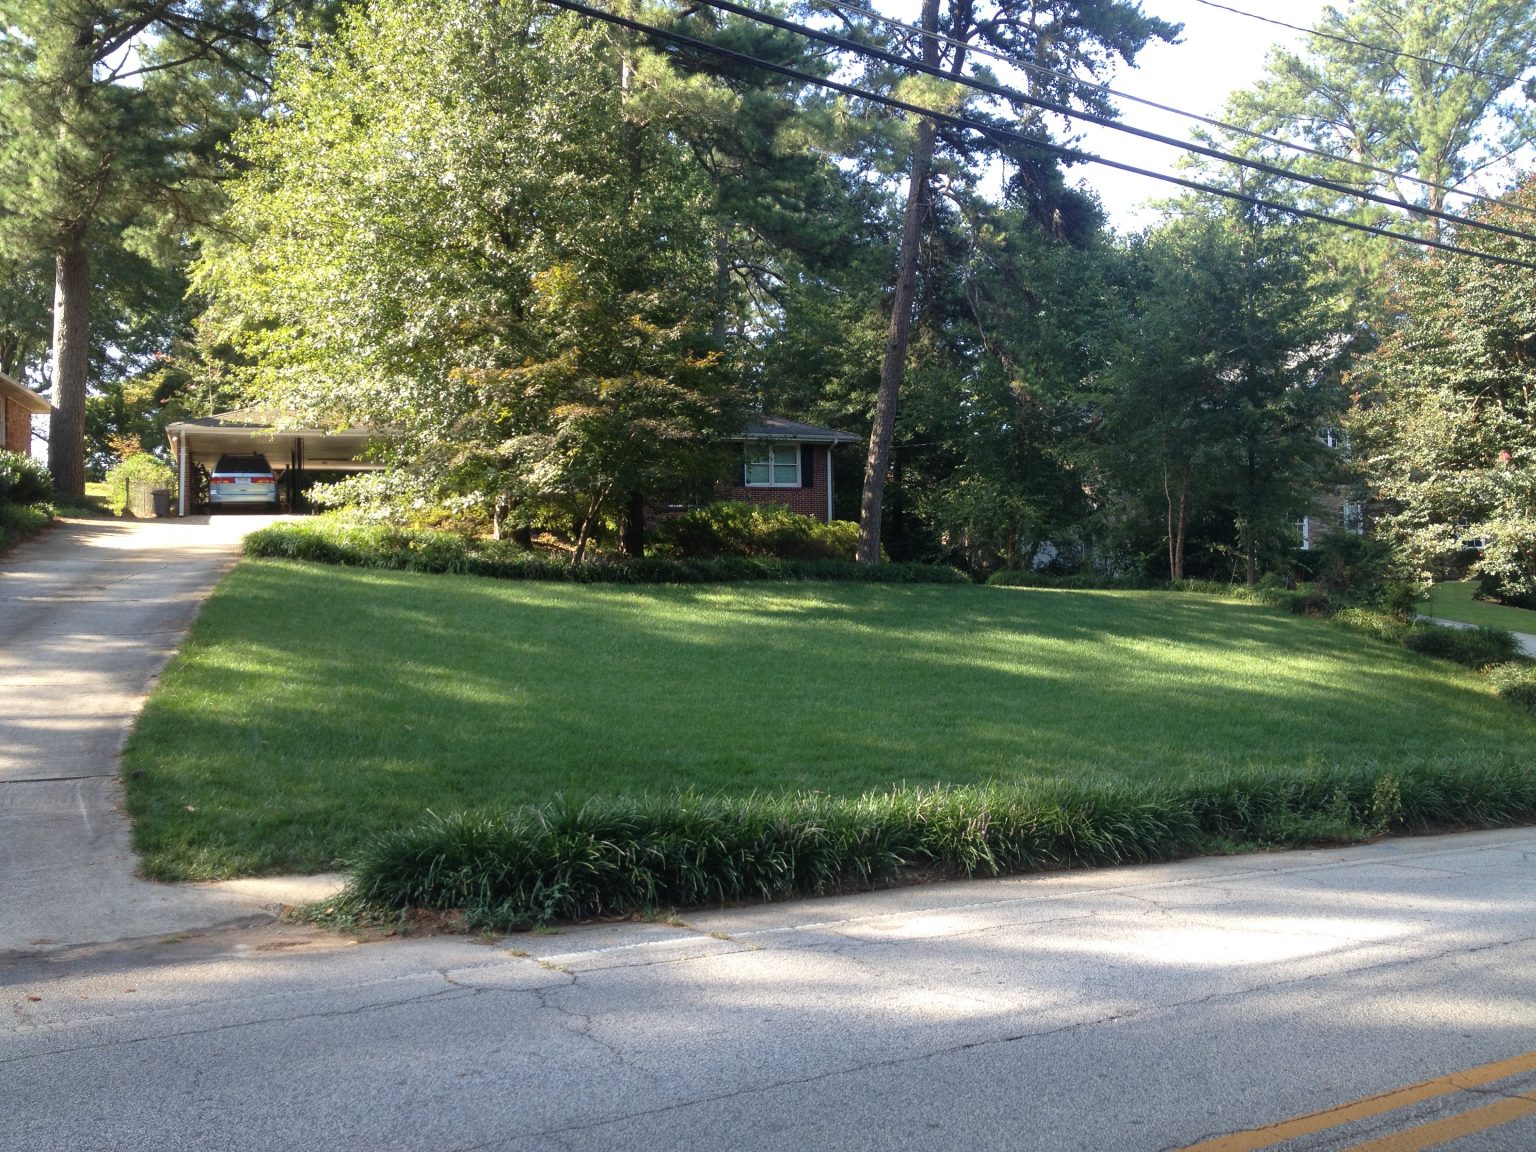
[{"x": 162, "y": 499}]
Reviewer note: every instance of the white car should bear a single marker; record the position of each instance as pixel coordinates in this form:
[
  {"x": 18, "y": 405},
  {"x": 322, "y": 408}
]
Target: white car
[{"x": 242, "y": 480}]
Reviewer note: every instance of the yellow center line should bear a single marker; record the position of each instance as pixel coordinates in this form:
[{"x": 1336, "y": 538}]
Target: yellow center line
[
  {"x": 1272, "y": 1134},
  {"x": 1440, "y": 1132}
]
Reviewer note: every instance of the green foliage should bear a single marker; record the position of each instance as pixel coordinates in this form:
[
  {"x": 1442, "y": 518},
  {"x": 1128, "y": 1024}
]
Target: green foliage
[
  {"x": 336, "y": 541},
  {"x": 1457, "y": 600},
  {"x": 1206, "y": 439},
  {"x": 140, "y": 470},
  {"x": 113, "y": 118},
  {"x": 515, "y": 692},
  {"x": 23, "y": 480},
  {"x": 521, "y": 290},
  {"x": 1096, "y": 581},
  {"x": 18, "y": 521},
  {"x": 732, "y": 528},
  {"x": 616, "y": 857},
  {"x": 1474, "y": 647},
  {"x": 1444, "y": 420},
  {"x": 1449, "y": 123},
  {"x": 1515, "y": 682}
]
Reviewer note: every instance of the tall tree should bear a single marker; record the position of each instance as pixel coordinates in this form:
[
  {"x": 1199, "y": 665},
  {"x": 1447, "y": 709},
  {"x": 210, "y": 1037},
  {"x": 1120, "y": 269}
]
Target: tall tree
[
  {"x": 1444, "y": 417},
  {"x": 465, "y": 225},
  {"x": 1211, "y": 406},
  {"x": 1432, "y": 89},
  {"x": 111, "y": 116},
  {"x": 1067, "y": 36}
]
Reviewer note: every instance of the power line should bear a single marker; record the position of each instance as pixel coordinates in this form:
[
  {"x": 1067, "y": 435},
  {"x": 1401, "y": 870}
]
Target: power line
[
  {"x": 1013, "y": 94},
  {"x": 1398, "y": 52},
  {"x": 1041, "y": 70},
  {"x": 998, "y": 132}
]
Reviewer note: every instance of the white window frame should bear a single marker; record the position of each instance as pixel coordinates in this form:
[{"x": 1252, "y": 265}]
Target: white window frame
[{"x": 760, "y": 453}]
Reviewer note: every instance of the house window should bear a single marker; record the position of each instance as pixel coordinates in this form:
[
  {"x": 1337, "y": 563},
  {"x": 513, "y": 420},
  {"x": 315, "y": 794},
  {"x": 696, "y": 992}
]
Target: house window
[{"x": 773, "y": 466}]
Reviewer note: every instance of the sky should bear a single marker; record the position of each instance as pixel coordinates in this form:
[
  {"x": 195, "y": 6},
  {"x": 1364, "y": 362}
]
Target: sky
[{"x": 1219, "y": 53}]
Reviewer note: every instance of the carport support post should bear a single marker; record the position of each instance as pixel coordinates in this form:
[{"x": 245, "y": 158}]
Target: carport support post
[{"x": 181, "y": 469}]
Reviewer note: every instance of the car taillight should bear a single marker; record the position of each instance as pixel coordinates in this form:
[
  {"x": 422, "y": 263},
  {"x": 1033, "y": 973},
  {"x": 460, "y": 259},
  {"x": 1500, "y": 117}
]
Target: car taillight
[
  {"x": 262, "y": 479},
  {"x": 221, "y": 479}
]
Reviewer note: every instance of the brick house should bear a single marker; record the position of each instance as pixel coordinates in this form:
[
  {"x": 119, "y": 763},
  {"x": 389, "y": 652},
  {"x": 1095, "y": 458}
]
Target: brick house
[
  {"x": 18, "y": 405},
  {"x": 786, "y": 462}
]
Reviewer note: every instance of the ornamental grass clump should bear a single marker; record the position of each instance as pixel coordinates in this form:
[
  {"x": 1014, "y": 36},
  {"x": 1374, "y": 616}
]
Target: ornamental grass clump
[
  {"x": 618, "y": 856},
  {"x": 1473, "y": 647}
]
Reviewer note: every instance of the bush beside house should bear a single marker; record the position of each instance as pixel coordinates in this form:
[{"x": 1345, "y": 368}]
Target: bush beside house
[{"x": 24, "y": 487}]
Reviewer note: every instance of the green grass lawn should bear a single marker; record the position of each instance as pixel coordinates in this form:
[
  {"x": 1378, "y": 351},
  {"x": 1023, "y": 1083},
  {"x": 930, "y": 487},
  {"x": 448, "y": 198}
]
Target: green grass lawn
[
  {"x": 1453, "y": 601},
  {"x": 314, "y": 706}
]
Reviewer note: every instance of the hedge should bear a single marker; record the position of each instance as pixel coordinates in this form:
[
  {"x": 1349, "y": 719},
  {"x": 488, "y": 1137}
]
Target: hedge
[
  {"x": 330, "y": 541},
  {"x": 616, "y": 857}
]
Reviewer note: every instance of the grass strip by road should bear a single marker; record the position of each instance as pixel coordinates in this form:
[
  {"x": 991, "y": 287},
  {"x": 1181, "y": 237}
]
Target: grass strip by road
[
  {"x": 608, "y": 858},
  {"x": 317, "y": 709}
]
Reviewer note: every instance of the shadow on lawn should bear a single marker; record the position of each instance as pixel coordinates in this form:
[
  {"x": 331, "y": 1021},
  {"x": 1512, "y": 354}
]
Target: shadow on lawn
[{"x": 467, "y": 693}]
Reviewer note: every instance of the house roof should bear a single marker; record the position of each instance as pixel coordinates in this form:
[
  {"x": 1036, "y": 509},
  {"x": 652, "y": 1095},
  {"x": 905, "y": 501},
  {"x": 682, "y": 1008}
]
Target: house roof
[
  {"x": 21, "y": 394},
  {"x": 762, "y": 427},
  {"x": 257, "y": 420},
  {"x": 246, "y": 430}
]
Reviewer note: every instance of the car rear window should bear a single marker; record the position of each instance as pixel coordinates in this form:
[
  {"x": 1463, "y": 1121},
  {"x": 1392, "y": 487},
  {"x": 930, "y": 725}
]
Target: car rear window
[{"x": 243, "y": 464}]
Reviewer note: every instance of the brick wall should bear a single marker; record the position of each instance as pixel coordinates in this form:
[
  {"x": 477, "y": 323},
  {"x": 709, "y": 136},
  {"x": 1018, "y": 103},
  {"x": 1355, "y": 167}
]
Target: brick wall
[
  {"x": 18, "y": 427},
  {"x": 810, "y": 501}
]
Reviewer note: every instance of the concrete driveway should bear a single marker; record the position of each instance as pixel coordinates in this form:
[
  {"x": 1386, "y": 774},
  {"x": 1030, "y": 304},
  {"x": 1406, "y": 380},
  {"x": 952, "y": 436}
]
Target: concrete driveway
[{"x": 90, "y": 611}]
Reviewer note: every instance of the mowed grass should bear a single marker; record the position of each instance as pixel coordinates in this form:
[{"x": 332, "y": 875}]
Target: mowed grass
[
  {"x": 1453, "y": 601},
  {"x": 316, "y": 706}
]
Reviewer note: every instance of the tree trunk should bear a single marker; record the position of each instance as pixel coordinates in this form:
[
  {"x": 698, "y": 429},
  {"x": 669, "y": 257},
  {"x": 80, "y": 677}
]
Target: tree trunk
[
  {"x": 893, "y": 367},
  {"x": 1178, "y": 522},
  {"x": 722, "y": 289},
  {"x": 500, "y": 506},
  {"x": 1250, "y": 557},
  {"x": 632, "y": 526},
  {"x": 1183, "y": 527},
  {"x": 595, "y": 504},
  {"x": 71, "y": 355}
]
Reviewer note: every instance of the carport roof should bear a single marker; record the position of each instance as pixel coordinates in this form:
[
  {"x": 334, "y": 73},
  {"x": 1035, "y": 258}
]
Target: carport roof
[
  {"x": 21, "y": 394},
  {"x": 246, "y": 430}
]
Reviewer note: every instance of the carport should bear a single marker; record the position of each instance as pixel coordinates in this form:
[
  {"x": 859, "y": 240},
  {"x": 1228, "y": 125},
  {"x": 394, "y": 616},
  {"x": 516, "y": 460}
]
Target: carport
[{"x": 292, "y": 452}]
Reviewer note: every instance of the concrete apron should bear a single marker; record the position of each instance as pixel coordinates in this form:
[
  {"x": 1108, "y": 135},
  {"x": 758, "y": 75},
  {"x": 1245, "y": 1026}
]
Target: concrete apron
[{"x": 90, "y": 611}]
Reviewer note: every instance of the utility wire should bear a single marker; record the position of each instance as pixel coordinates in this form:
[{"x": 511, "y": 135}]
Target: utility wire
[
  {"x": 1015, "y": 95},
  {"x": 1318, "y": 32},
  {"x": 998, "y": 132},
  {"x": 1041, "y": 70}
]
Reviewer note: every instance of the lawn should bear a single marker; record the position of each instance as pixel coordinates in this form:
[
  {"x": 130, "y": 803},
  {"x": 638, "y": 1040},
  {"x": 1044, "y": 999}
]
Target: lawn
[
  {"x": 1453, "y": 601},
  {"x": 314, "y": 706}
]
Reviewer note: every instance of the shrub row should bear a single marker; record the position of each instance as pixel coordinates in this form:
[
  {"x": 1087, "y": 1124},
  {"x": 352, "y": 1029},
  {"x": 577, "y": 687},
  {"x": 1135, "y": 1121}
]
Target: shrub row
[
  {"x": 1098, "y": 582},
  {"x": 18, "y": 521},
  {"x": 1515, "y": 682},
  {"x": 615, "y": 857},
  {"x": 329, "y": 541},
  {"x": 1473, "y": 647},
  {"x": 732, "y": 528},
  {"x": 23, "y": 480}
]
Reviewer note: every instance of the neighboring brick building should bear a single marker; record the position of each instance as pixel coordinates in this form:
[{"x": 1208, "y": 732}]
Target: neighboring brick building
[
  {"x": 786, "y": 462},
  {"x": 17, "y": 407}
]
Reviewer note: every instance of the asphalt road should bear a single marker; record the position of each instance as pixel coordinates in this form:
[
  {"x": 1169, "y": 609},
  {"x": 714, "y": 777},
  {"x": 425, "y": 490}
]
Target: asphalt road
[{"x": 1142, "y": 1008}]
